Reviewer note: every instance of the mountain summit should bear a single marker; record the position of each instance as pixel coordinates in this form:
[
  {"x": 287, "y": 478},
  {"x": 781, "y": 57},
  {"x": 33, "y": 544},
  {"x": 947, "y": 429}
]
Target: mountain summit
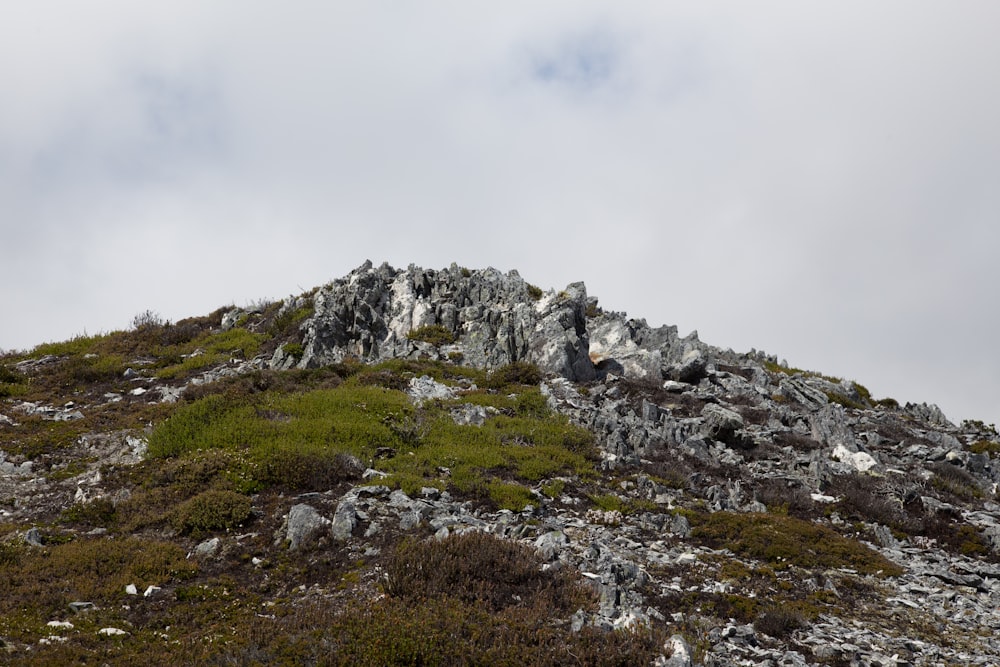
[{"x": 410, "y": 466}]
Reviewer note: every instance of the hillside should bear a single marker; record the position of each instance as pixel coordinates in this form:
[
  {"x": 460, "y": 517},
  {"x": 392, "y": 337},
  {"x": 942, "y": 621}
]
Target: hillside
[{"x": 458, "y": 467}]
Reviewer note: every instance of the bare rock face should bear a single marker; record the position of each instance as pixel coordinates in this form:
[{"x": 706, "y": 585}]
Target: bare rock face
[
  {"x": 495, "y": 319},
  {"x": 489, "y": 319}
]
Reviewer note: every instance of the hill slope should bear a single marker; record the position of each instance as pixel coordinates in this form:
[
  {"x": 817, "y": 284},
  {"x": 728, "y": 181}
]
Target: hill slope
[{"x": 406, "y": 466}]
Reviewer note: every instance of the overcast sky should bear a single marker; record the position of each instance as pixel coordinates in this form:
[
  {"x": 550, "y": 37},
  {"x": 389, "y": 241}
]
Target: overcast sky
[{"x": 817, "y": 180}]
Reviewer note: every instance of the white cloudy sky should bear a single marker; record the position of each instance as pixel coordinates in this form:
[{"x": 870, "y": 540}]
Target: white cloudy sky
[{"x": 818, "y": 180}]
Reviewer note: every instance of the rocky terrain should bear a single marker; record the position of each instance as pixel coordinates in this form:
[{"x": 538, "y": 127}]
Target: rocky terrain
[{"x": 437, "y": 467}]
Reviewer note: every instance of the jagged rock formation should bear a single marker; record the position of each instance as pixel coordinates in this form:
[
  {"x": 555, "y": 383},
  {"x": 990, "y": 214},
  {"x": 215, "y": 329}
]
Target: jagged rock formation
[
  {"x": 495, "y": 319},
  {"x": 688, "y": 434}
]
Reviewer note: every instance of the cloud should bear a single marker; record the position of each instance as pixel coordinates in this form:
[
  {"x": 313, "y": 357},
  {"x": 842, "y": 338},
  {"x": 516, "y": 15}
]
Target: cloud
[{"x": 815, "y": 181}]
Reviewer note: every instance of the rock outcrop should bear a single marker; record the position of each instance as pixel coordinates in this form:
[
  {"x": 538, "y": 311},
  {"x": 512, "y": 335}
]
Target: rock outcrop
[
  {"x": 684, "y": 431},
  {"x": 375, "y": 314}
]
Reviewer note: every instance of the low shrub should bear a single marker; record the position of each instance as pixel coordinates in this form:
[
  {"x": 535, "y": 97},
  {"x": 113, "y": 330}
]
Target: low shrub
[
  {"x": 989, "y": 447},
  {"x": 100, "y": 512},
  {"x": 94, "y": 569},
  {"x": 435, "y": 334},
  {"x": 955, "y": 481},
  {"x": 212, "y": 510},
  {"x": 778, "y": 622},
  {"x": 298, "y": 470},
  {"x": 786, "y": 497},
  {"x": 294, "y": 350},
  {"x": 846, "y": 401},
  {"x": 481, "y": 569},
  {"x": 290, "y": 319},
  {"x": 554, "y": 488},
  {"x": 516, "y": 373},
  {"x": 9, "y": 375},
  {"x": 509, "y": 495},
  {"x": 437, "y": 631},
  {"x": 786, "y": 540}
]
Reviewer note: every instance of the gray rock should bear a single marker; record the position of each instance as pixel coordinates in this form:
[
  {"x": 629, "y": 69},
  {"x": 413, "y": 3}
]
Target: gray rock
[
  {"x": 208, "y": 548},
  {"x": 691, "y": 369},
  {"x": 425, "y": 388},
  {"x": 550, "y": 544},
  {"x": 369, "y": 313},
  {"x": 33, "y": 538},
  {"x": 302, "y": 525},
  {"x": 345, "y": 518},
  {"x": 721, "y": 424},
  {"x": 469, "y": 414},
  {"x": 680, "y": 653}
]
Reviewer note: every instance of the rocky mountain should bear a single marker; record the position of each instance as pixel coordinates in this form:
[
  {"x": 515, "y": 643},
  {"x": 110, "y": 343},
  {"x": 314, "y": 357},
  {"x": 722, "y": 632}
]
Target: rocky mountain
[{"x": 455, "y": 466}]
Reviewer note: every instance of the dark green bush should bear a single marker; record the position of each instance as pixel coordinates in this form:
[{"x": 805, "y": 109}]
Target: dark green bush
[
  {"x": 294, "y": 350},
  {"x": 516, "y": 373},
  {"x": 212, "y": 510},
  {"x": 435, "y": 334},
  {"x": 988, "y": 447},
  {"x": 9, "y": 376},
  {"x": 100, "y": 512}
]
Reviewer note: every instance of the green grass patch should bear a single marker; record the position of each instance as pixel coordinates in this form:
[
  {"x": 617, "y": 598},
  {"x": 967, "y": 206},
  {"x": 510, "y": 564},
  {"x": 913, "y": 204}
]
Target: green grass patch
[
  {"x": 295, "y": 440},
  {"x": 78, "y": 345},
  {"x": 785, "y": 540},
  {"x": 279, "y": 437}
]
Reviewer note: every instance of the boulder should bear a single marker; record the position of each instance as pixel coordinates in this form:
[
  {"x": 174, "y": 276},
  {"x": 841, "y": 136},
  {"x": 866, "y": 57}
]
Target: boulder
[{"x": 302, "y": 524}]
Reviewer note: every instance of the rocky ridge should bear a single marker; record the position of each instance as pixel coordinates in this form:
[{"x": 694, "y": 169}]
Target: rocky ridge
[{"x": 689, "y": 435}]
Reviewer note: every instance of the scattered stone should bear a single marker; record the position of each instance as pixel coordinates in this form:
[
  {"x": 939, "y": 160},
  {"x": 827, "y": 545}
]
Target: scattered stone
[
  {"x": 301, "y": 525},
  {"x": 860, "y": 461},
  {"x": 112, "y": 632},
  {"x": 131, "y": 589},
  {"x": 550, "y": 544},
  {"x": 80, "y": 607},
  {"x": 426, "y": 388},
  {"x": 344, "y": 520},
  {"x": 680, "y": 653},
  {"x": 208, "y": 548}
]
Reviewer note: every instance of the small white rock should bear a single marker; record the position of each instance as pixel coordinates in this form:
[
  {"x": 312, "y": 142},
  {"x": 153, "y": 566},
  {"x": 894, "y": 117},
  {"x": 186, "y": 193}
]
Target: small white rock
[
  {"x": 60, "y": 624},
  {"x": 131, "y": 589},
  {"x": 111, "y": 632},
  {"x": 150, "y": 591}
]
